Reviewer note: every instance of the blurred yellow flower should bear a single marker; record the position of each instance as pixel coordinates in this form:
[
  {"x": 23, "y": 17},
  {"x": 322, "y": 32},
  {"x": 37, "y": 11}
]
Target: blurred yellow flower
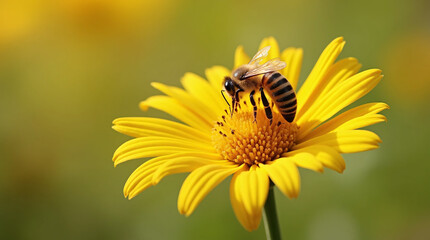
[
  {"x": 18, "y": 19},
  {"x": 212, "y": 145},
  {"x": 113, "y": 16},
  {"x": 408, "y": 61}
]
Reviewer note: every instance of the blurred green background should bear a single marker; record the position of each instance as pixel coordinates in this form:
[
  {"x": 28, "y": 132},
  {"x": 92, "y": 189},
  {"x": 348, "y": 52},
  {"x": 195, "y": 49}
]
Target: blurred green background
[{"x": 68, "y": 68}]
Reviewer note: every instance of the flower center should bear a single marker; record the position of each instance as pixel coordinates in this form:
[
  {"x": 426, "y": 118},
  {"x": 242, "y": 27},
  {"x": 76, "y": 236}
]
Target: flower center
[{"x": 242, "y": 140}]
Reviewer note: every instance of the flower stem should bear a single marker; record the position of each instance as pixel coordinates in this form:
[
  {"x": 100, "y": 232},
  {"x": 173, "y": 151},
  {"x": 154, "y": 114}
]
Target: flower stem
[{"x": 271, "y": 223}]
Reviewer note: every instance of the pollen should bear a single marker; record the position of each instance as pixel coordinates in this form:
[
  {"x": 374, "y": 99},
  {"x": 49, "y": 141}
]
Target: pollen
[{"x": 240, "y": 139}]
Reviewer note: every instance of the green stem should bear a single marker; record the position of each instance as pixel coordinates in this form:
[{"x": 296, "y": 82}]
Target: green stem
[{"x": 271, "y": 223}]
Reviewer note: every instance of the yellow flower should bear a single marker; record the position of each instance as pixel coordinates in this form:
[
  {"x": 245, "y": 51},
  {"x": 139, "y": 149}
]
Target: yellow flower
[{"x": 212, "y": 145}]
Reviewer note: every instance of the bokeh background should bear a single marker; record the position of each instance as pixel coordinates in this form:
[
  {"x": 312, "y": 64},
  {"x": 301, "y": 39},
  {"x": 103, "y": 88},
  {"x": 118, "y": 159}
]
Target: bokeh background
[{"x": 68, "y": 68}]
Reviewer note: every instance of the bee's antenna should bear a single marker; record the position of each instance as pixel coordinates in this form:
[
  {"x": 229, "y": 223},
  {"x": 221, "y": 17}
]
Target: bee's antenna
[{"x": 229, "y": 107}]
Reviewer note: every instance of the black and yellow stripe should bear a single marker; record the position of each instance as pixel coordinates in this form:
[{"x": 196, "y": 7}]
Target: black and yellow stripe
[{"x": 282, "y": 94}]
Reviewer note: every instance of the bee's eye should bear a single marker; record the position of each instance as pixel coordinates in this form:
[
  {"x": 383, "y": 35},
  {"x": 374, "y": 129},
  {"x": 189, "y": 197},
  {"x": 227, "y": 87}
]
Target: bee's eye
[{"x": 229, "y": 86}]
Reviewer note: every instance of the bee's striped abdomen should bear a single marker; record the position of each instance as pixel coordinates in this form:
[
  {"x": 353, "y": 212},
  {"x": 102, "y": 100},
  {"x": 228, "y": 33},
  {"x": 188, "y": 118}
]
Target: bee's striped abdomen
[{"x": 282, "y": 94}]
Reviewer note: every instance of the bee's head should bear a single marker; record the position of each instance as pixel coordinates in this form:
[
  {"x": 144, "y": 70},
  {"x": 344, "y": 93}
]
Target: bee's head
[{"x": 229, "y": 86}]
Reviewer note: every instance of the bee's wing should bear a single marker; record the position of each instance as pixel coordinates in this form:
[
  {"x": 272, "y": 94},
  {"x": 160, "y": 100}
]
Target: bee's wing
[
  {"x": 270, "y": 66},
  {"x": 260, "y": 55}
]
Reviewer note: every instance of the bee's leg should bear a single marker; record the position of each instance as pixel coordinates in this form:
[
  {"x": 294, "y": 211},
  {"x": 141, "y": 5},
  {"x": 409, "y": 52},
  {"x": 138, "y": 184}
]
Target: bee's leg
[
  {"x": 251, "y": 97},
  {"x": 235, "y": 101},
  {"x": 266, "y": 106}
]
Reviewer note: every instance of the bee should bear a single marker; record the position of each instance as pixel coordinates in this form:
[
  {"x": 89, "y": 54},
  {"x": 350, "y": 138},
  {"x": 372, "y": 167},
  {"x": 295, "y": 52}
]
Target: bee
[{"x": 253, "y": 77}]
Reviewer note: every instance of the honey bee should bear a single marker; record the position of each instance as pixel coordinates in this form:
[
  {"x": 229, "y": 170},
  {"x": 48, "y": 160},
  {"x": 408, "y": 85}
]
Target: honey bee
[{"x": 253, "y": 77}]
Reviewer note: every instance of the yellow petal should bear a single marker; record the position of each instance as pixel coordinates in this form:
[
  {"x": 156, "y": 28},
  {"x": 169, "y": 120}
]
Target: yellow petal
[
  {"x": 141, "y": 178},
  {"x": 240, "y": 57},
  {"x": 348, "y": 141},
  {"x": 274, "y": 48},
  {"x": 307, "y": 160},
  {"x": 327, "y": 58},
  {"x": 253, "y": 187},
  {"x": 190, "y": 102},
  {"x": 248, "y": 193},
  {"x": 200, "y": 182},
  {"x": 144, "y": 126},
  {"x": 337, "y": 73},
  {"x": 177, "y": 110},
  {"x": 204, "y": 92},
  {"x": 216, "y": 75},
  {"x": 326, "y": 155},
  {"x": 293, "y": 57},
  {"x": 361, "y": 122},
  {"x": 185, "y": 163},
  {"x": 284, "y": 173},
  {"x": 339, "y": 97},
  {"x": 248, "y": 222},
  {"x": 156, "y": 146},
  {"x": 358, "y": 117}
]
